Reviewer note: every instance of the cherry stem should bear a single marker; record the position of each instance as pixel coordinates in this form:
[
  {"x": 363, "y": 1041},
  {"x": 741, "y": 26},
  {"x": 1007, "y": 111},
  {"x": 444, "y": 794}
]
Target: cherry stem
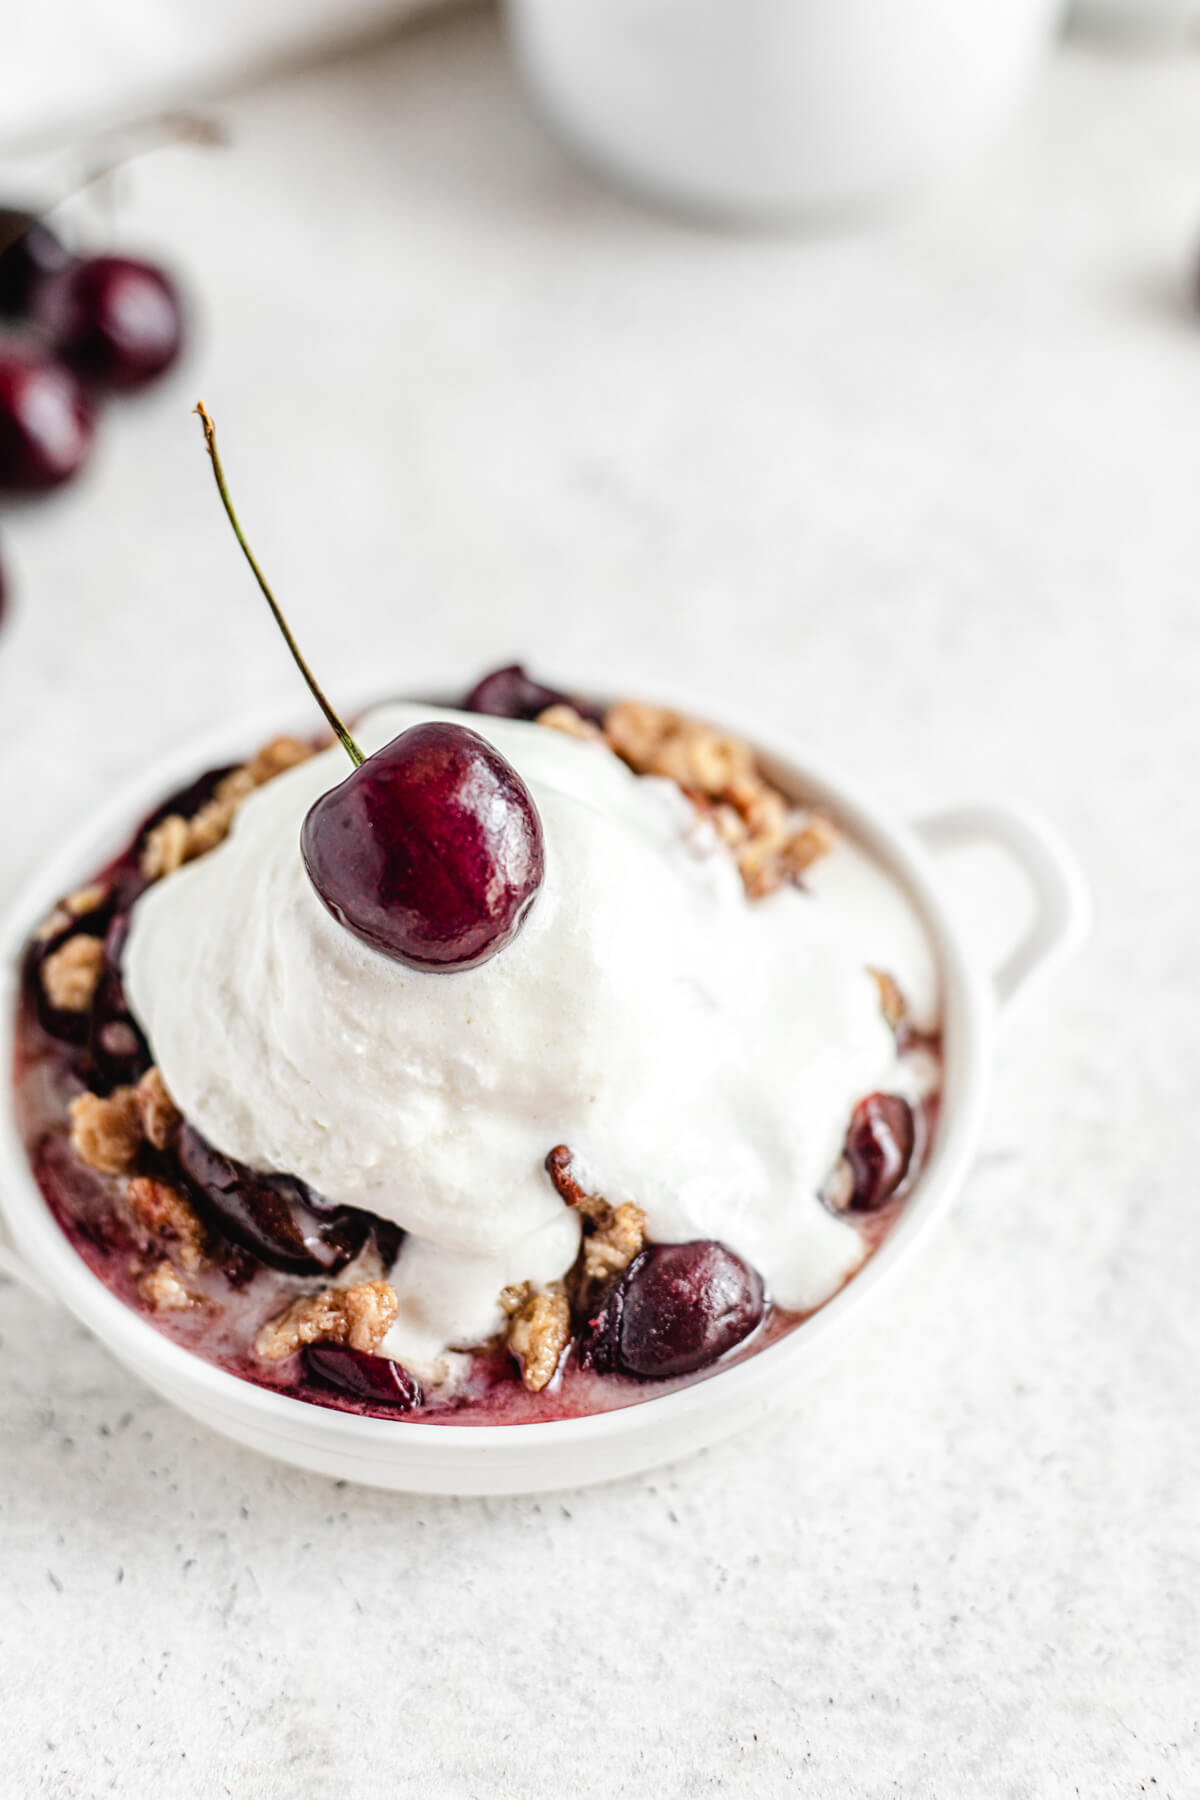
[{"x": 347, "y": 742}]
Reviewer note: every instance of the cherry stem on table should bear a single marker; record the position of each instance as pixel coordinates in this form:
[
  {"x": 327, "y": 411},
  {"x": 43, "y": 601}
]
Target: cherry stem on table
[{"x": 343, "y": 736}]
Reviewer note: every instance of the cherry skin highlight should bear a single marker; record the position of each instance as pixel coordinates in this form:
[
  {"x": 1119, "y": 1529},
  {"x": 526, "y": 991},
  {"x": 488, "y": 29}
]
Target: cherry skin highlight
[
  {"x": 373, "y": 1379},
  {"x": 46, "y": 424},
  {"x": 29, "y": 252},
  {"x": 277, "y": 1217},
  {"x": 116, "y": 322},
  {"x": 431, "y": 851},
  {"x": 677, "y": 1308},
  {"x": 879, "y": 1149}
]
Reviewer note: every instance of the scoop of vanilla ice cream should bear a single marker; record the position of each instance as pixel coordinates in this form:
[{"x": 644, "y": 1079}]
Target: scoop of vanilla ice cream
[{"x": 700, "y": 1053}]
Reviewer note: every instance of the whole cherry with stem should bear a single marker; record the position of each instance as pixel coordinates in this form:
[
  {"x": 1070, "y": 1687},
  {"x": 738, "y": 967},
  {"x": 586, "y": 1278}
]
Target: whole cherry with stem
[{"x": 431, "y": 849}]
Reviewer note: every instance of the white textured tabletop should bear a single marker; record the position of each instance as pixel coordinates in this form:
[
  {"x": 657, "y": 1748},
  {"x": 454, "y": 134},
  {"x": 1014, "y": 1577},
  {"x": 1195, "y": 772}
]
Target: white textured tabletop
[{"x": 924, "y": 493}]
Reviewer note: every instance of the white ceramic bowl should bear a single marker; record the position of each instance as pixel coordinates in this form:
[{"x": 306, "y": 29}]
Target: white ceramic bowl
[{"x": 466, "y": 1459}]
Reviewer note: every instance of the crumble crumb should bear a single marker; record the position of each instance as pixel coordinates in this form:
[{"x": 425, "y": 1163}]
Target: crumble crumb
[
  {"x": 719, "y": 771},
  {"x": 70, "y": 973},
  {"x": 106, "y": 1133},
  {"x": 635, "y": 731},
  {"x": 653, "y": 740},
  {"x": 613, "y": 1235},
  {"x": 612, "y": 1246},
  {"x": 176, "y": 840},
  {"x": 164, "y": 1212},
  {"x": 564, "y": 718},
  {"x": 275, "y": 758},
  {"x": 539, "y": 1329},
  {"x": 160, "y": 1117},
  {"x": 71, "y": 907},
  {"x": 162, "y": 1290},
  {"x": 891, "y": 1000},
  {"x": 730, "y": 826},
  {"x": 814, "y": 840},
  {"x": 210, "y": 826},
  {"x": 165, "y": 848},
  {"x": 759, "y": 859},
  {"x": 358, "y": 1316}
]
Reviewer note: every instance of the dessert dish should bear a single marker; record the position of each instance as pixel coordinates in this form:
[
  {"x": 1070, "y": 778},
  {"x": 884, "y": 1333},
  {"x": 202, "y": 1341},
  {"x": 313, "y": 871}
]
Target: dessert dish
[{"x": 501, "y": 1063}]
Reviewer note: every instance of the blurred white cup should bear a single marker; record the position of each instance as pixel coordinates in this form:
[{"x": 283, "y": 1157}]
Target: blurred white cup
[
  {"x": 754, "y": 108},
  {"x": 1153, "y": 22}
]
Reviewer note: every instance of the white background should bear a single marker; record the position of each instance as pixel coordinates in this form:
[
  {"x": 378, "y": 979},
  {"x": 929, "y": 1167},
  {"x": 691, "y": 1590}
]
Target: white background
[{"x": 926, "y": 493}]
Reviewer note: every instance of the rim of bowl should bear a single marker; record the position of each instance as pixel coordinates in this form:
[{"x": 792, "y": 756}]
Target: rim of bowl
[{"x": 966, "y": 1005}]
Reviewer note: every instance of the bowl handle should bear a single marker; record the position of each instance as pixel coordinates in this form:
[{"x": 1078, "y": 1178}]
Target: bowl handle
[{"x": 1062, "y": 902}]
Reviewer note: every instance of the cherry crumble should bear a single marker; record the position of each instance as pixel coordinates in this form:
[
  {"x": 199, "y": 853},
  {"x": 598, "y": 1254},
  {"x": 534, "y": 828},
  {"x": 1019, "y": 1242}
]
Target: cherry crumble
[{"x": 259, "y": 1274}]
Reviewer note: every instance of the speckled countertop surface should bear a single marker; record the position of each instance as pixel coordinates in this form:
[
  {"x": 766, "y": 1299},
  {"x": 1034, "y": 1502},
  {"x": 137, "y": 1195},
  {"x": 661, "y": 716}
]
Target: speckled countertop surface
[{"x": 925, "y": 494}]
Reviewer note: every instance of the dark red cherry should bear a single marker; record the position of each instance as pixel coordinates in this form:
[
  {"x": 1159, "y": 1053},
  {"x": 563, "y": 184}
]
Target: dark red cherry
[
  {"x": 29, "y": 252},
  {"x": 676, "y": 1309},
  {"x": 118, "y": 1049},
  {"x": 277, "y": 1217},
  {"x": 117, "y": 322},
  {"x": 46, "y": 423},
  {"x": 510, "y": 693},
  {"x": 879, "y": 1149},
  {"x": 431, "y": 851},
  {"x": 374, "y": 1379}
]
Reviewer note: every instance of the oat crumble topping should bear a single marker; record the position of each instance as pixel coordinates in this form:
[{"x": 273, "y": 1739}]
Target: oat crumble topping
[
  {"x": 176, "y": 840},
  {"x": 164, "y": 1212},
  {"x": 160, "y": 1116},
  {"x": 720, "y": 773},
  {"x": 539, "y": 1329},
  {"x": 562, "y": 717},
  {"x": 71, "y": 907},
  {"x": 358, "y": 1316},
  {"x": 70, "y": 973},
  {"x": 106, "y": 1133},
  {"x": 162, "y": 1290},
  {"x": 613, "y": 1245},
  {"x": 275, "y": 758},
  {"x": 165, "y": 848}
]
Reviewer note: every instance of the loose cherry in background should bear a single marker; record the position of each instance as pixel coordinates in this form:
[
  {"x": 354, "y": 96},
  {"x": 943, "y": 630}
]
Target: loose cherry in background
[
  {"x": 46, "y": 423},
  {"x": 430, "y": 850},
  {"x": 29, "y": 252},
  {"x": 85, "y": 327},
  {"x": 116, "y": 322}
]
